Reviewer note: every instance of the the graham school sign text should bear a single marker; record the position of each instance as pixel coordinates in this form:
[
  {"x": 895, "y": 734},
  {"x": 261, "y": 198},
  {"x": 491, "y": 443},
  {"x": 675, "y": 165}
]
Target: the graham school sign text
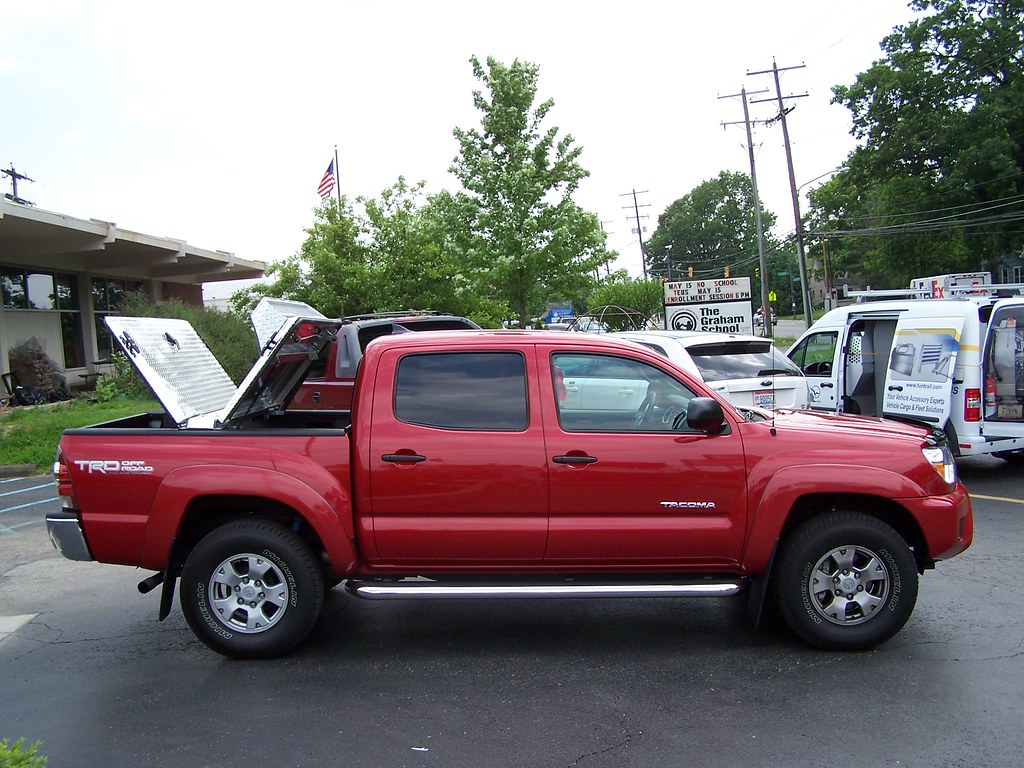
[{"x": 709, "y": 305}]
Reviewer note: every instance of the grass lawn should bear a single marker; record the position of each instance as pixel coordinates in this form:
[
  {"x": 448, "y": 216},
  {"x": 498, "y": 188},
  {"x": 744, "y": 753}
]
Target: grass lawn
[{"x": 29, "y": 434}]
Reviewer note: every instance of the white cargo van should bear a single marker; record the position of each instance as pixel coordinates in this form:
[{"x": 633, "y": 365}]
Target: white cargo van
[{"x": 955, "y": 362}]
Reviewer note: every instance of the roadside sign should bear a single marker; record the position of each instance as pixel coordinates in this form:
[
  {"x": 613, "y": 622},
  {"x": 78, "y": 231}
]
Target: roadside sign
[
  {"x": 772, "y": 296},
  {"x": 709, "y": 305}
]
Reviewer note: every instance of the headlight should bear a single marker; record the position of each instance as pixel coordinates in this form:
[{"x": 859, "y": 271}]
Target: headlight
[{"x": 941, "y": 459}]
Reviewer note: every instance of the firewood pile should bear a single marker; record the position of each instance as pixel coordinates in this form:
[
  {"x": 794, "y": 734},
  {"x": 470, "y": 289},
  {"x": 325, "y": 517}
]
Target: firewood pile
[{"x": 34, "y": 370}]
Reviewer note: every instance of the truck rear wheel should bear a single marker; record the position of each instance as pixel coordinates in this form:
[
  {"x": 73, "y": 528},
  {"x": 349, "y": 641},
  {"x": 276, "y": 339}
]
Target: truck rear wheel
[
  {"x": 251, "y": 589},
  {"x": 845, "y": 581}
]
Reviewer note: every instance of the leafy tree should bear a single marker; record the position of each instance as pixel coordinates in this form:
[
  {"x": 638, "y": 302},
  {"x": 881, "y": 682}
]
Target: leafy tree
[
  {"x": 711, "y": 228},
  {"x": 618, "y": 289},
  {"x": 528, "y": 242},
  {"x": 937, "y": 184},
  {"x": 416, "y": 254}
]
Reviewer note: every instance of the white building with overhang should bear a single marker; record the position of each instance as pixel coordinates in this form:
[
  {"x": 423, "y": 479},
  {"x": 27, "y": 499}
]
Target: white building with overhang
[{"x": 60, "y": 275}]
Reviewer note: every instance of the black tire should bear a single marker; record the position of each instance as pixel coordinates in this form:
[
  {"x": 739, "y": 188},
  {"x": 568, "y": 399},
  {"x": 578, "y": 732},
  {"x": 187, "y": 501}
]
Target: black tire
[
  {"x": 251, "y": 589},
  {"x": 867, "y": 577}
]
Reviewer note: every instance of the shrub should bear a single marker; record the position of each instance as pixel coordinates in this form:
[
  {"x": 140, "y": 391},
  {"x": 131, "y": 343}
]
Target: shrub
[{"x": 16, "y": 756}]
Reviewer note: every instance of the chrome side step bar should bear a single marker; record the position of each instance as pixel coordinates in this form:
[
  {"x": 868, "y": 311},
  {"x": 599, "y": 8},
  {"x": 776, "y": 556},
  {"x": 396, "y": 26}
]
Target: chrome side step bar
[{"x": 425, "y": 588}]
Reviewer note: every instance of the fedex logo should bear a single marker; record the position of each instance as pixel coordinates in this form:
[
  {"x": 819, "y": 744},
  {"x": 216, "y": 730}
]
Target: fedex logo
[{"x": 113, "y": 467}]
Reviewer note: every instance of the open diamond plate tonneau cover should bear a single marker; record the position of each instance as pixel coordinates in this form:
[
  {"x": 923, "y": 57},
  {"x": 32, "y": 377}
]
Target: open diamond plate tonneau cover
[
  {"x": 270, "y": 314},
  {"x": 193, "y": 387}
]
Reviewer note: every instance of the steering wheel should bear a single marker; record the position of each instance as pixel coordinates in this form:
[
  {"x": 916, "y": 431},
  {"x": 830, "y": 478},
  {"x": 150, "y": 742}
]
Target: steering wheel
[
  {"x": 643, "y": 412},
  {"x": 674, "y": 416}
]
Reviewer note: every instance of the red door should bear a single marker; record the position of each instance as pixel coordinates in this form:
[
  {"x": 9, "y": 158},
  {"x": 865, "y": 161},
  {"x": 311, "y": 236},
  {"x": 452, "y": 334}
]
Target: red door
[
  {"x": 456, "y": 465},
  {"x": 639, "y": 489}
]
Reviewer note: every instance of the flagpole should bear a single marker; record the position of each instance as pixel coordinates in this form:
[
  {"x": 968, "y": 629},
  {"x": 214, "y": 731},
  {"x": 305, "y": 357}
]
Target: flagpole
[{"x": 337, "y": 175}]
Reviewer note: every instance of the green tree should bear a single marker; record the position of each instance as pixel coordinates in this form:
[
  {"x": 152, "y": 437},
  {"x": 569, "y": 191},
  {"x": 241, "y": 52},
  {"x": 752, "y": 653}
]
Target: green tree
[
  {"x": 936, "y": 184},
  {"x": 331, "y": 272},
  {"x": 618, "y": 289},
  {"x": 529, "y": 242},
  {"x": 711, "y": 228},
  {"x": 416, "y": 253}
]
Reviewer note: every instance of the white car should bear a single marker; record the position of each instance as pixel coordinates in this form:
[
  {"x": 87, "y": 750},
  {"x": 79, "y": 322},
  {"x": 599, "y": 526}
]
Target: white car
[{"x": 748, "y": 371}]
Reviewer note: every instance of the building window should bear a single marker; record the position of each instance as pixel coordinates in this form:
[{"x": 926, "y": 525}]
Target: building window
[
  {"x": 48, "y": 292},
  {"x": 108, "y": 298},
  {"x": 15, "y": 295}
]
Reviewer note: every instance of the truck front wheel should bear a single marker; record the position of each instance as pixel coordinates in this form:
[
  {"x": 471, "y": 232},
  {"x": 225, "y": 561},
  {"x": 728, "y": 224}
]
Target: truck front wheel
[
  {"x": 845, "y": 581},
  {"x": 251, "y": 589}
]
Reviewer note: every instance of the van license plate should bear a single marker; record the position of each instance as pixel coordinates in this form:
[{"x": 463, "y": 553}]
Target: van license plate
[{"x": 764, "y": 399}]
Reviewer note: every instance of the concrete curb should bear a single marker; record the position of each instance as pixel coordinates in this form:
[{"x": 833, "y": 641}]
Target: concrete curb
[{"x": 17, "y": 470}]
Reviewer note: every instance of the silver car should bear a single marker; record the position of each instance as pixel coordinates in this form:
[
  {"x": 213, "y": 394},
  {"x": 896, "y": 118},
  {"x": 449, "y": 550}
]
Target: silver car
[{"x": 748, "y": 371}]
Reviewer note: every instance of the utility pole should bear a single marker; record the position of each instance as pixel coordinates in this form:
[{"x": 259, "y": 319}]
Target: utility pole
[
  {"x": 15, "y": 178},
  {"x": 762, "y": 261},
  {"x": 607, "y": 268},
  {"x": 801, "y": 258},
  {"x": 639, "y": 226},
  {"x": 828, "y": 272}
]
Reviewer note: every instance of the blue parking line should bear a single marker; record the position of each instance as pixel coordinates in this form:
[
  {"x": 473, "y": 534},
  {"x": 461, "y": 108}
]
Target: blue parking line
[
  {"x": 29, "y": 504},
  {"x": 26, "y": 490},
  {"x": 13, "y": 528}
]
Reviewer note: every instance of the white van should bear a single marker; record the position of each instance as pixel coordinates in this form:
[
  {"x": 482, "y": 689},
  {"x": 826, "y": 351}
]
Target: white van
[{"x": 955, "y": 363}]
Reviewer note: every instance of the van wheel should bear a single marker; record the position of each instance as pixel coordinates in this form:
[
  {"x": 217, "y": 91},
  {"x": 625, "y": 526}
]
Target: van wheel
[
  {"x": 251, "y": 589},
  {"x": 845, "y": 581}
]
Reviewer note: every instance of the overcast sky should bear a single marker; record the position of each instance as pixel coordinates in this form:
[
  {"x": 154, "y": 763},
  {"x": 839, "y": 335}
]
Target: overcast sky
[{"x": 214, "y": 121}]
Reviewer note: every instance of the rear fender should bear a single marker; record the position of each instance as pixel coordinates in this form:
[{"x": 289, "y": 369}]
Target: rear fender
[{"x": 187, "y": 484}]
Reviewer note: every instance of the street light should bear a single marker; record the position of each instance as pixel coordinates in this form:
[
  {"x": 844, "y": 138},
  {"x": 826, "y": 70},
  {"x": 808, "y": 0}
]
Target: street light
[{"x": 822, "y": 176}]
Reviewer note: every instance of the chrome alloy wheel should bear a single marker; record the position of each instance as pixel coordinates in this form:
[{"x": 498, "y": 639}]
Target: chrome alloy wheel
[
  {"x": 849, "y": 585},
  {"x": 248, "y": 593}
]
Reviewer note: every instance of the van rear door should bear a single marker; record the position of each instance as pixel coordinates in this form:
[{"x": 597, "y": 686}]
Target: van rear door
[
  {"x": 1004, "y": 371},
  {"x": 919, "y": 375}
]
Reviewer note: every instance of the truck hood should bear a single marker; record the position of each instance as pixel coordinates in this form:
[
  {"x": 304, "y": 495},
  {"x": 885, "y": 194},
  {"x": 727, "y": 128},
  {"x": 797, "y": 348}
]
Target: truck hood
[
  {"x": 191, "y": 385},
  {"x": 845, "y": 423}
]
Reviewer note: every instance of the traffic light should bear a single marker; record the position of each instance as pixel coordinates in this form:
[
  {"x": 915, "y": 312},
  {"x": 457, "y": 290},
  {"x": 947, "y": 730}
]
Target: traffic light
[
  {"x": 757, "y": 272},
  {"x": 726, "y": 271},
  {"x": 689, "y": 271}
]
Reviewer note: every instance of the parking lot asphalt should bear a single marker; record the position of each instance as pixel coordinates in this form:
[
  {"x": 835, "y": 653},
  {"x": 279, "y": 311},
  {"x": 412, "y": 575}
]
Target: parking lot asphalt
[{"x": 90, "y": 672}]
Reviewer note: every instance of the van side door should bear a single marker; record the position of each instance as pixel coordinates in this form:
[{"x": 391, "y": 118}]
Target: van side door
[{"x": 919, "y": 371}]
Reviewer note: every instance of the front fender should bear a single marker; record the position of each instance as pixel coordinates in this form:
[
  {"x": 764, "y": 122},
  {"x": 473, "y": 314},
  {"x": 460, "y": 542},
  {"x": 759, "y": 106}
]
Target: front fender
[
  {"x": 786, "y": 486},
  {"x": 181, "y": 486}
]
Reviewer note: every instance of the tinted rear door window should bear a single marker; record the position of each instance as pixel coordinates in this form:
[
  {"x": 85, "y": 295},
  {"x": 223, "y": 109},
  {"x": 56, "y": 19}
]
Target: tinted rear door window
[{"x": 463, "y": 390}]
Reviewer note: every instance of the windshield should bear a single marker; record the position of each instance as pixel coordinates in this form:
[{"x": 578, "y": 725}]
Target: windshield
[{"x": 741, "y": 360}]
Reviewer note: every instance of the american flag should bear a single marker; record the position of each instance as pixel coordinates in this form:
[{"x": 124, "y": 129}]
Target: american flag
[{"x": 327, "y": 182}]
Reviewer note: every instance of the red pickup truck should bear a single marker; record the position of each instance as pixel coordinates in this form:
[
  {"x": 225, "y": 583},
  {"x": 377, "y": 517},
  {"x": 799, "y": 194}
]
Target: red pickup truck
[{"x": 466, "y": 469}]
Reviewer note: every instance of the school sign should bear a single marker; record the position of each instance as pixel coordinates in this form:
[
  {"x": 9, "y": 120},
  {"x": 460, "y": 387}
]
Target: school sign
[{"x": 709, "y": 305}]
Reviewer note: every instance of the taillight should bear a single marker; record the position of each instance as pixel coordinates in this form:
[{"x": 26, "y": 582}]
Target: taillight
[
  {"x": 972, "y": 404},
  {"x": 62, "y": 478}
]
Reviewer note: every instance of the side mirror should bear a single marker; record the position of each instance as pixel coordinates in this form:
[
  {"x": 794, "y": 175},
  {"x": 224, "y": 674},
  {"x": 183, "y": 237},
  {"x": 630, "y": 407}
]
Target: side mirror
[{"x": 704, "y": 414}]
